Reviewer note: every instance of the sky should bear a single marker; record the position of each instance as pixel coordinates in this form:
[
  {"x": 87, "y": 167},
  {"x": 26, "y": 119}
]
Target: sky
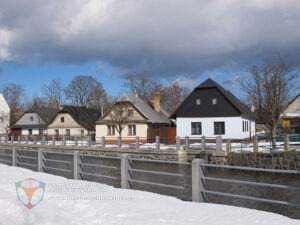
[{"x": 187, "y": 41}]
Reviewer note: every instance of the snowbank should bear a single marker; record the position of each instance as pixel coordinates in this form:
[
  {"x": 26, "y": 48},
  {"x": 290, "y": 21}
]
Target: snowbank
[{"x": 81, "y": 202}]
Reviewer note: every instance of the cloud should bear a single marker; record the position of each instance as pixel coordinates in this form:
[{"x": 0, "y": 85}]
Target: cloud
[{"x": 162, "y": 37}]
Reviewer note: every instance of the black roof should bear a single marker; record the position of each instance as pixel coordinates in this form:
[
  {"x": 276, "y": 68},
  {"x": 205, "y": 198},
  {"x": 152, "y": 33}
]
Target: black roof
[
  {"x": 86, "y": 117},
  {"x": 237, "y": 107},
  {"x": 47, "y": 114}
]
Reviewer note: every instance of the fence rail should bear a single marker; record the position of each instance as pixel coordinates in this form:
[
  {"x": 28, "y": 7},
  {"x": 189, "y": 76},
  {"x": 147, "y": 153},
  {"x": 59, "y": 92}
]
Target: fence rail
[
  {"x": 256, "y": 144},
  {"x": 78, "y": 169}
]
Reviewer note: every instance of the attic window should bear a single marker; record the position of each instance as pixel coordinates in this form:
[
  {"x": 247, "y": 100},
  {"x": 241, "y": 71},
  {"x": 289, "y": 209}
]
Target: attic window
[
  {"x": 198, "y": 101},
  {"x": 31, "y": 118},
  {"x": 214, "y": 101},
  {"x": 62, "y": 119},
  {"x": 130, "y": 112}
]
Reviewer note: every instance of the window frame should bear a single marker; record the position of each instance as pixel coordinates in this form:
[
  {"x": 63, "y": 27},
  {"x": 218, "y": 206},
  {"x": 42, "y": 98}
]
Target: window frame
[
  {"x": 111, "y": 131},
  {"x": 219, "y": 130},
  {"x": 131, "y": 129},
  {"x": 196, "y": 128}
]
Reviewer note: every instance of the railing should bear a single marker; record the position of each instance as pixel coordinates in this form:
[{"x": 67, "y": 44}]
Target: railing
[
  {"x": 181, "y": 143},
  {"x": 76, "y": 165}
]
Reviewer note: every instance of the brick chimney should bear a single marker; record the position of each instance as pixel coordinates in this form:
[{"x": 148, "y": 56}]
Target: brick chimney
[{"x": 156, "y": 101}]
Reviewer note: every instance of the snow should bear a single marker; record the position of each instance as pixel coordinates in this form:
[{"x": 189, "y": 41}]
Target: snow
[{"x": 102, "y": 204}]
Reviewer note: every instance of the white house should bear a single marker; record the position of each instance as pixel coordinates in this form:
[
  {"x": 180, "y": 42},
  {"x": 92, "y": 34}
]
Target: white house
[
  {"x": 212, "y": 111},
  {"x": 4, "y": 115}
]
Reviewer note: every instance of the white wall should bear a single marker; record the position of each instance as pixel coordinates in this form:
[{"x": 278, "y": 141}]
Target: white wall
[
  {"x": 26, "y": 132},
  {"x": 233, "y": 127},
  {"x": 63, "y": 131},
  {"x": 4, "y": 115}
]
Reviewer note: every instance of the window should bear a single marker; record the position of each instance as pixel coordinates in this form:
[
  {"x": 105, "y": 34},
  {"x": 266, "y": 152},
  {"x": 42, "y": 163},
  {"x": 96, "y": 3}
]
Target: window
[
  {"x": 131, "y": 130},
  {"x": 130, "y": 112},
  {"x": 110, "y": 130},
  {"x": 219, "y": 127},
  {"x": 68, "y": 132},
  {"x": 30, "y": 132},
  {"x": 31, "y": 118},
  {"x": 62, "y": 119},
  {"x": 56, "y": 132},
  {"x": 198, "y": 101},
  {"x": 214, "y": 101},
  {"x": 196, "y": 128}
]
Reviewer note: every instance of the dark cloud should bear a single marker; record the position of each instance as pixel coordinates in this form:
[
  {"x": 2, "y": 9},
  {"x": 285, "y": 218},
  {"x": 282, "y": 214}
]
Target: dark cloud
[{"x": 162, "y": 37}]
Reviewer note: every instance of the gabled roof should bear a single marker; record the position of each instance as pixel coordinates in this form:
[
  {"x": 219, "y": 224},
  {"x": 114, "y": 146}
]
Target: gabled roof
[
  {"x": 293, "y": 108},
  {"x": 234, "y": 101},
  {"x": 3, "y": 104},
  {"x": 145, "y": 109},
  {"x": 47, "y": 114},
  {"x": 86, "y": 117}
]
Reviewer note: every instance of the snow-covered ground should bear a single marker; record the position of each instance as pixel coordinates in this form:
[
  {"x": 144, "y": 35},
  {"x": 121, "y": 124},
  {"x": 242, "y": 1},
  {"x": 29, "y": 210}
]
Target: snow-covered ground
[{"x": 81, "y": 202}]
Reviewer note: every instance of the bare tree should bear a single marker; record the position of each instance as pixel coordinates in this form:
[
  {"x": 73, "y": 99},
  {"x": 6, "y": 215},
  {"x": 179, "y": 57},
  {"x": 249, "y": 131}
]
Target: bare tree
[
  {"x": 142, "y": 85},
  {"x": 85, "y": 91},
  {"x": 269, "y": 90},
  {"x": 172, "y": 96},
  {"x": 118, "y": 115},
  {"x": 13, "y": 93},
  {"x": 54, "y": 94}
]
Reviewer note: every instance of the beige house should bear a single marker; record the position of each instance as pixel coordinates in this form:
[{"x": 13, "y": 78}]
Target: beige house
[
  {"x": 138, "y": 118},
  {"x": 74, "y": 121},
  {"x": 290, "y": 117}
]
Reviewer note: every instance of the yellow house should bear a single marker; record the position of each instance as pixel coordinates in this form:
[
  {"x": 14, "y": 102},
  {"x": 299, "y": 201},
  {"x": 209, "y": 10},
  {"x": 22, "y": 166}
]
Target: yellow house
[
  {"x": 136, "y": 119},
  {"x": 290, "y": 117},
  {"x": 74, "y": 121}
]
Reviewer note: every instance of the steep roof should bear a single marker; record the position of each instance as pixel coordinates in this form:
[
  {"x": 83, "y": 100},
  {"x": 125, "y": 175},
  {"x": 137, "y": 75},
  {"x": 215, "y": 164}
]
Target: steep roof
[
  {"x": 293, "y": 108},
  {"x": 47, "y": 114},
  {"x": 234, "y": 101},
  {"x": 3, "y": 104},
  {"x": 86, "y": 117},
  {"x": 145, "y": 109}
]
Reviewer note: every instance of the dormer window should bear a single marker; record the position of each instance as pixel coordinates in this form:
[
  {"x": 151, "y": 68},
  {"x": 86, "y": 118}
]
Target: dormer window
[
  {"x": 198, "y": 101},
  {"x": 214, "y": 101}
]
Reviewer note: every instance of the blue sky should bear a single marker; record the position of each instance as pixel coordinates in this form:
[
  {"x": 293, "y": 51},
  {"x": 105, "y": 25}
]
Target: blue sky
[{"x": 170, "y": 40}]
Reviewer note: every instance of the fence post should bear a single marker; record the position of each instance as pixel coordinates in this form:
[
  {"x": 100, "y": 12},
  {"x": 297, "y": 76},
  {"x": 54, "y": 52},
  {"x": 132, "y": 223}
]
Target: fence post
[
  {"x": 15, "y": 158},
  {"x": 89, "y": 141},
  {"x": 228, "y": 145},
  {"x": 53, "y": 140},
  {"x": 64, "y": 140},
  {"x": 34, "y": 139},
  {"x": 202, "y": 142},
  {"x": 6, "y": 138},
  {"x": 187, "y": 143},
  {"x": 197, "y": 180},
  {"x": 137, "y": 142},
  {"x": 19, "y": 139},
  {"x": 286, "y": 142},
  {"x": 77, "y": 165},
  {"x": 219, "y": 143},
  {"x": 75, "y": 141},
  {"x": 157, "y": 142},
  {"x": 255, "y": 144},
  {"x": 12, "y": 138},
  {"x": 43, "y": 140},
  {"x": 119, "y": 141},
  {"x": 126, "y": 174},
  {"x": 177, "y": 143},
  {"x": 103, "y": 142},
  {"x": 41, "y": 160}
]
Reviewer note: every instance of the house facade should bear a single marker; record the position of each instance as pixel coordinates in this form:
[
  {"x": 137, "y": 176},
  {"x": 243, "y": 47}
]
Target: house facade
[
  {"x": 4, "y": 115},
  {"x": 290, "y": 118},
  {"x": 212, "y": 111},
  {"x": 34, "y": 121},
  {"x": 138, "y": 117},
  {"x": 74, "y": 121}
]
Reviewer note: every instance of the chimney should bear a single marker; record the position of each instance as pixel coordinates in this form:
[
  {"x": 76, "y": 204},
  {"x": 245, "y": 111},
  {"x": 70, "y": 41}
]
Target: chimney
[{"x": 156, "y": 101}]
